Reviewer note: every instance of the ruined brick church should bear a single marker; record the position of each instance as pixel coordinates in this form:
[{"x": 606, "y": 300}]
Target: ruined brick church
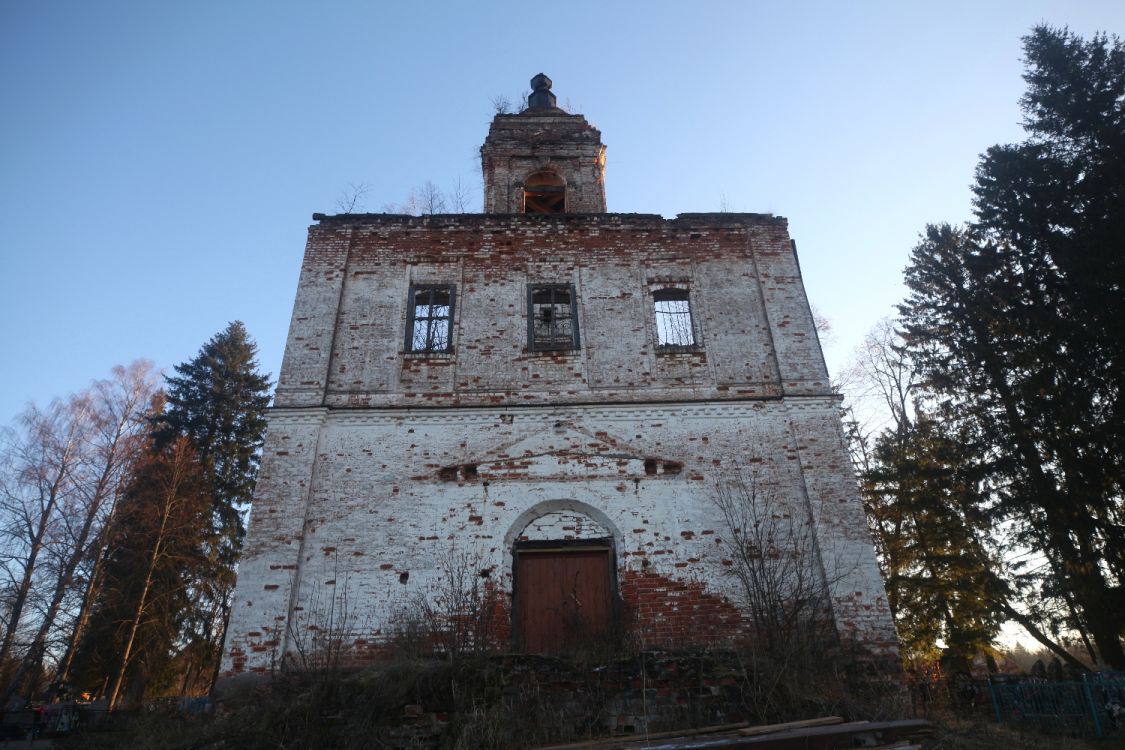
[{"x": 556, "y": 393}]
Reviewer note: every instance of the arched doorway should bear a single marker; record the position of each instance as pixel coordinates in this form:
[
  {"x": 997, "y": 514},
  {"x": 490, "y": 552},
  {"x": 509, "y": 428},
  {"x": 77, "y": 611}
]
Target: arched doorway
[{"x": 564, "y": 579}]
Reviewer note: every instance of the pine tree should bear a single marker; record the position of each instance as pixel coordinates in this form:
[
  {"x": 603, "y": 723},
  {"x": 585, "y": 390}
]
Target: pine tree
[
  {"x": 986, "y": 331},
  {"x": 1016, "y": 326},
  {"x": 925, "y": 508},
  {"x": 951, "y": 577}
]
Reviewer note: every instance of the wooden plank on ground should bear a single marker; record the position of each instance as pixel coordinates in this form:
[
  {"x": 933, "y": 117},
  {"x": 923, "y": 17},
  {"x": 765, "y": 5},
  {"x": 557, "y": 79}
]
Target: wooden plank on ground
[
  {"x": 771, "y": 728},
  {"x": 823, "y": 736},
  {"x": 826, "y": 736},
  {"x": 632, "y": 739}
]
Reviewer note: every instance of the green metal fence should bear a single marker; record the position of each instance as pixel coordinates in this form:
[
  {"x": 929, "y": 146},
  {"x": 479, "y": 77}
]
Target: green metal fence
[{"x": 1093, "y": 707}]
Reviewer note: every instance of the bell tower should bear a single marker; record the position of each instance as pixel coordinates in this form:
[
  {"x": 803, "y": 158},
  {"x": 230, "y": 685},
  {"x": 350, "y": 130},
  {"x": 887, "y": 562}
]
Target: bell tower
[{"x": 543, "y": 160}]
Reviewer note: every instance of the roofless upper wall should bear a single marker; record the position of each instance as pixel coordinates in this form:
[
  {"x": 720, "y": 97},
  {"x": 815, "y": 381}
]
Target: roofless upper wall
[{"x": 543, "y": 160}]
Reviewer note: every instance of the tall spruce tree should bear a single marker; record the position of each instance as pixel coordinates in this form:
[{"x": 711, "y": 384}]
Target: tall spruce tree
[
  {"x": 218, "y": 401},
  {"x": 1016, "y": 324}
]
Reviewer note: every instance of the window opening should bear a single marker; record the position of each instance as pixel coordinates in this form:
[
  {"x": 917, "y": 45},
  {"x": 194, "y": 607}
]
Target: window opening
[
  {"x": 553, "y": 323},
  {"x": 544, "y": 193},
  {"x": 673, "y": 318},
  {"x": 430, "y": 319}
]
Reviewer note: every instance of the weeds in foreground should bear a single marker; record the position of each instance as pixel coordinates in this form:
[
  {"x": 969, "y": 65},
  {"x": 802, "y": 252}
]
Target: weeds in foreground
[
  {"x": 488, "y": 701},
  {"x": 980, "y": 734}
]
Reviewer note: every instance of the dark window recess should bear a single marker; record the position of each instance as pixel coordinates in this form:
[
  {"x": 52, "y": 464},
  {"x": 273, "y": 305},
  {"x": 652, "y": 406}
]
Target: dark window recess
[
  {"x": 470, "y": 471},
  {"x": 673, "y": 467},
  {"x": 552, "y": 317},
  {"x": 650, "y": 466},
  {"x": 544, "y": 193},
  {"x": 447, "y": 473},
  {"x": 673, "y": 318},
  {"x": 431, "y": 319}
]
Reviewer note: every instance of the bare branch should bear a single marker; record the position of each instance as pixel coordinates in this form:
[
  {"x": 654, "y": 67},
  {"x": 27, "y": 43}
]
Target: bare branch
[
  {"x": 501, "y": 105},
  {"x": 351, "y": 198}
]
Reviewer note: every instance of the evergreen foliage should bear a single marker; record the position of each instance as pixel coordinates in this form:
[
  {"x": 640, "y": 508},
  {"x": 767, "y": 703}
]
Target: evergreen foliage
[
  {"x": 218, "y": 402},
  {"x": 156, "y": 557},
  {"x": 173, "y": 543},
  {"x": 1015, "y": 325},
  {"x": 926, "y": 511}
]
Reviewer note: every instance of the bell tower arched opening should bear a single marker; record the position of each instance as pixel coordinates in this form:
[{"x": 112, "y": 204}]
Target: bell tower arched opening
[
  {"x": 519, "y": 147},
  {"x": 544, "y": 192}
]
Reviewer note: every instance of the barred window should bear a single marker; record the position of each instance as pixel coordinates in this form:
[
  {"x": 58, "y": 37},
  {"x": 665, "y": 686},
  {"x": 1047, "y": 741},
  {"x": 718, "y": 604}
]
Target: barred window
[
  {"x": 673, "y": 318},
  {"x": 552, "y": 317},
  {"x": 430, "y": 320}
]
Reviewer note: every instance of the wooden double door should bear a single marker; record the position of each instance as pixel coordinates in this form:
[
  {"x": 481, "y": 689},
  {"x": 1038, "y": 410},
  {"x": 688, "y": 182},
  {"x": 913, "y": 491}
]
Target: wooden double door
[{"x": 564, "y": 595}]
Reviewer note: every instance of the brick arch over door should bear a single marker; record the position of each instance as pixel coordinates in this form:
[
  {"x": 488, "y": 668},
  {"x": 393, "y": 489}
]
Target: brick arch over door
[{"x": 565, "y": 506}]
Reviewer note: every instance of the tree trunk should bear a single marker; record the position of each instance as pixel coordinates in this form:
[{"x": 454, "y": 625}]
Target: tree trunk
[
  {"x": 141, "y": 603},
  {"x": 180, "y": 460},
  {"x": 62, "y": 673},
  {"x": 1027, "y": 624},
  {"x": 1081, "y": 567},
  {"x": 222, "y": 639},
  {"x": 37, "y": 537},
  {"x": 62, "y": 585}
]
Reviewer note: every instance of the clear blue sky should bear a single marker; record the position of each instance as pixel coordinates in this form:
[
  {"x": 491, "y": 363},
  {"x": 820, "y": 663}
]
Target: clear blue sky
[{"x": 159, "y": 162}]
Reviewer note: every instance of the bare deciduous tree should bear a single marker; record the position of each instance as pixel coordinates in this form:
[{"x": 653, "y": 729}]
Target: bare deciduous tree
[
  {"x": 502, "y": 105},
  {"x": 456, "y": 614},
  {"x": 880, "y": 382},
  {"x": 784, "y": 587},
  {"x": 351, "y": 199},
  {"x": 324, "y": 627},
  {"x": 410, "y": 206},
  {"x": 430, "y": 199},
  {"x": 40, "y": 464},
  {"x": 459, "y": 197},
  {"x": 114, "y": 411},
  {"x": 822, "y": 325},
  {"x": 505, "y": 105},
  {"x": 775, "y": 561}
]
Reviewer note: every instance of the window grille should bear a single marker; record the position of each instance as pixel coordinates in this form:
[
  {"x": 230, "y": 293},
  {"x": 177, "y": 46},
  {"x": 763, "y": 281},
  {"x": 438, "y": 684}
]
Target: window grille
[
  {"x": 430, "y": 321},
  {"x": 673, "y": 318},
  {"x": 552, "y": 317}
]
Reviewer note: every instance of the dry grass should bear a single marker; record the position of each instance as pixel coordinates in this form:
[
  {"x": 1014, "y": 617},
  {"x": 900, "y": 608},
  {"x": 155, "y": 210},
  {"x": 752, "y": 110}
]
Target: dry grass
[
  {"x": 978, "y": 734},
  {"x": 500, "y": 702},
  {"x": 163, "y": 733}
]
